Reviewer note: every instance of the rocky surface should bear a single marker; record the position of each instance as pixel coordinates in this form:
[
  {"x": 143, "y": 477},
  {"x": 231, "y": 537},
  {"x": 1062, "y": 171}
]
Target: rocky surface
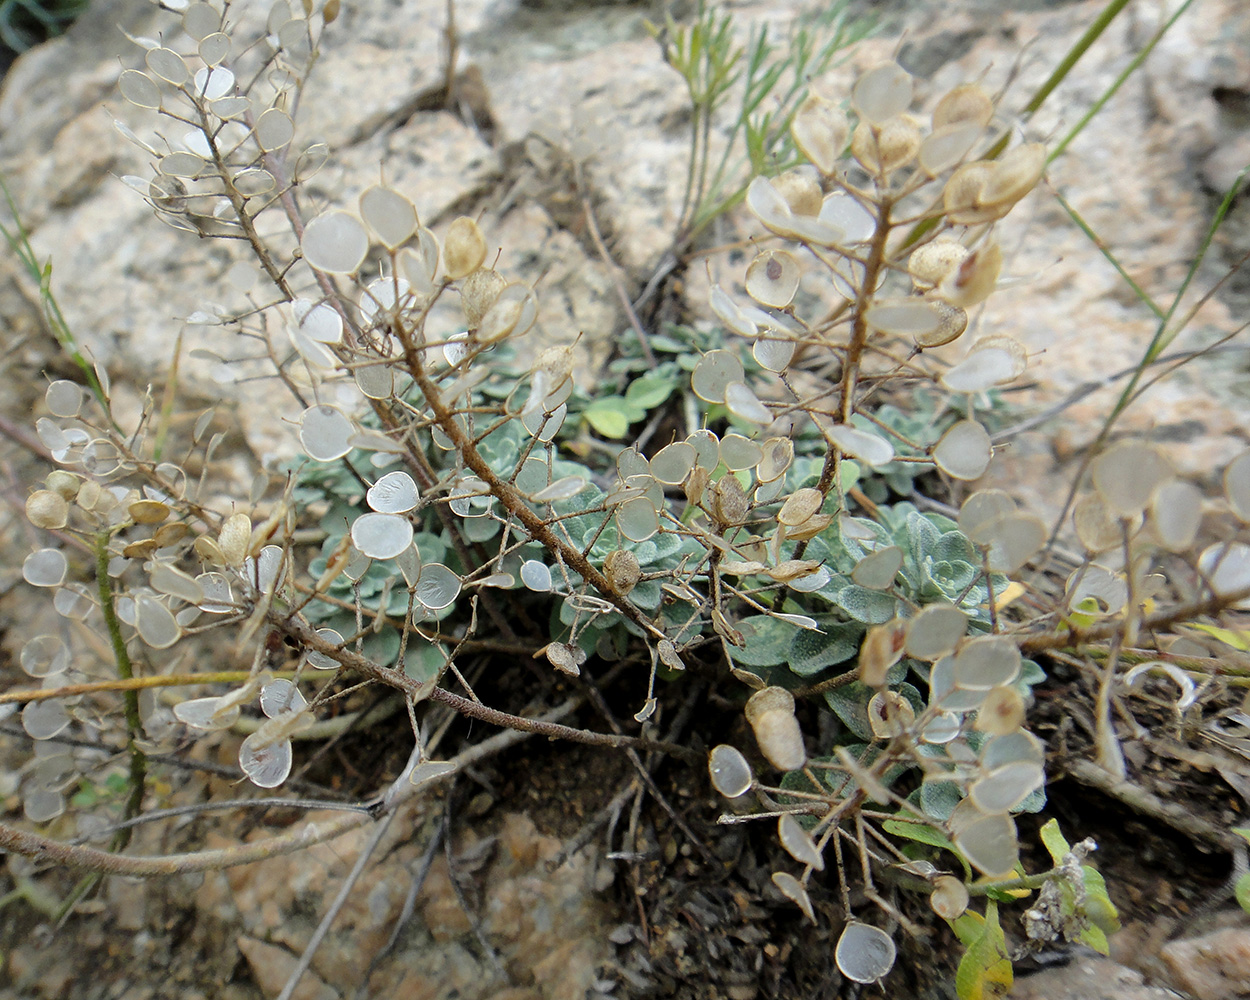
[{"x": 557, "y": 109}]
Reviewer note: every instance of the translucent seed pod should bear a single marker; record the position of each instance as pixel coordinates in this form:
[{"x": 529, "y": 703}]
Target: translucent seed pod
[
  {"x": 772, "y": 278},
  {"x": 819, "y": 130},
  {"x": 464, "y": 248},
  {"x": 389, "y": 215},
  {"x": 771, "y": 715},
  {"x": 729, "y": 770},
  {"x": 882, "y": 92},
  {"x": 864, "y": 953}
]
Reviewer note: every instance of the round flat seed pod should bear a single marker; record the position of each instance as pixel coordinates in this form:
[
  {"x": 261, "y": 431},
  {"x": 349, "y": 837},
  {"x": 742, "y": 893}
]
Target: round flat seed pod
[
  {"x": 381, "y": 536},
  {"x": 964, "y": 452},
  {"x": 1012, "y": 540},
  {"x": 326, "y": 433},
  {"x": 987, "y": 841},
  {"x": 389, "y": 214},
  {"x": 950, "y": 897},
  {"x": 772, "y": 278},
  {"x": 882, "y": 92},
  {"x": 793, "y": 890},
  {"x": 986, "y": 366},
  {"x": 1108, "y": 589},
  {"x": 935, "y": 631},
  {"x": 878, "y": 570},
  {"x": 394, "y": 493},
  {"x": 1237, "y": 485},
  {"x": 798, "y": 843},
  {"x": 730, "y": 772},
  {"x": 1126, "y": 476},
  {"x": 637, "y": 520},
  {"x": 214, "y": 48},
  {"x": 871, "y": 449},
  {"x": 1175, "y": 515},
  {"x": 274, "y": 130},
  {"x": 947, "y": 146},
  {"x": 438, "y": 587},
  {"x": 279, "y": 696},
  {"x": 320, "y": 322},
  {"x": 44, "y": 656},
  {"x": 536, "y": 575},
  {"x": 267, "y": 765},
  {"x": 213, "y": 83},
  {"x": 730, "y": 313},
  {"x": 846, "y": 215},
  {"x": 155, "y": 623},
  {"x": 45, "y": 568},
  {"x": 561, "y": 489},
  {"x": 864, "y": 953},
  {"x": 985, "y": 663},
  {"x": 672, "y": 463},
  {"x": 321, "y": 661},
  {"x": 714, "y": 371},
  {"x": 1012, "y": 748},
  {"x": 43, "y": 720},
  {"x": 739, "y": 453},
  {"x": 168, "y": 65},
  {"x": 335, "y": 242},
  {"x": 1227, "y": 567},
  {"x": 773, "y": 352},
  {"x": 820, "y": 130},
  {"x": 741, "y": 402},
  {"x": 904, "y": 317},
  {"x": 139, "y": 89}
]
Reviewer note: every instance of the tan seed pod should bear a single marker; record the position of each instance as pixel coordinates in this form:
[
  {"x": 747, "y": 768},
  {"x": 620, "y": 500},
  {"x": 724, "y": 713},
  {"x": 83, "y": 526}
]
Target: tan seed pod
[
  {"x": 889, "y": 714},
  {"x": 1014, "y": 174},
  {"x": 973, "y": 281},
  {"x": 965, "y": 103},
  {"x": 930, "y": 264},
  {"x": 771, "y": 715},
  {"x": 171, "y": 534},
  {"x": 729, "y": 501},
  {"x": 148, "y": 512},
  {"x": 141, "y": 549},
  {"x": 234, "y": 538},
  {"x": 883, "y": 149},
  {"x": 622, "y": 570},
  {"x": 950, "y": 897},
  {"x": 478, "y": 293},
  {"x": 47, "y": 509},
  {"x": 65, "y": 483},
  {"x": 819, "y": 130},
  {"x": 961, "y": 197},
  {"x": 330, "y": 11},
  {"x": 1001, "y": 712},
  {"x": 696, "y": 485},
  {"x": 89, "y": 494},
  {"x": 954, "y": 323},
  {"x": 881, "y": 649},
  {"x": 799, "y": 506},
  {"x": 464, "y": 248},
  {"x": 209, "y": 551},
  {"x": 800, "y": 190},
  {"x": 810, "y": 528}
]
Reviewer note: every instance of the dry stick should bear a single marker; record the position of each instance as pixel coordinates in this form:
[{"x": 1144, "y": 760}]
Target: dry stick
[
  {"x": 45, "y": 849},
  {"x": 1139, "y": 799},
  {"x": 300, "y": 630},
  {"x": 593, "y": 227},
  {"x": 345, "y": 890},
  {"x": 509, "y": 496}
]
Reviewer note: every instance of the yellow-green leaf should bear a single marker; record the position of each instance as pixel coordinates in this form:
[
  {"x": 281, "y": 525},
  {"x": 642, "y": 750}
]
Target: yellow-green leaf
[
  {"x": 1055, "y": 841},
  {"x": 1238, "y": 640},
  {"x": 985, "y": 970},
  {"x": 1242, "y": 891}
]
